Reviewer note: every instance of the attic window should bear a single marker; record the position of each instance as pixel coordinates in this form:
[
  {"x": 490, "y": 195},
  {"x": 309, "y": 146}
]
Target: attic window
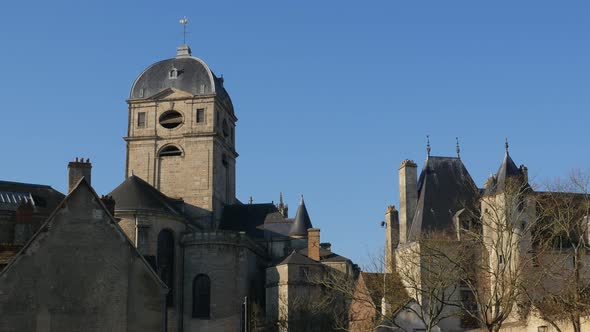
[
  {"x": 171, "y": 119},
  {"x": 173, "y": 73},
  {"x": 170, "y": 151}
]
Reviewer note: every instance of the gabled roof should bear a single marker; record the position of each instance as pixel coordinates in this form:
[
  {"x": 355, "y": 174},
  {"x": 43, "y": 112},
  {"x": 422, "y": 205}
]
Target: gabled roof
[
  {"x": 444, "y": 187},
  {"x": 81, "y": 186},
  {"x": 297, "y": 259},
  {"x": 302, "y": 221},
  {"x": 136, "y": 194},
  {"x": 12, "y": 194}
]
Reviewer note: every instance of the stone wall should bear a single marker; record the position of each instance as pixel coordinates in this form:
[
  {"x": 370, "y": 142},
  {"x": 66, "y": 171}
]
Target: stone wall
[{"x": 80, "y": 273}]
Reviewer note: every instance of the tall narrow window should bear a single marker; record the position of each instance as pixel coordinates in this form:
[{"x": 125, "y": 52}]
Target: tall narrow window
[
  {"x": 202, "y": 297},
  {"x": 165, "y": 262},
  {"x": 141, "y": 119},
  {"x": 200, "y": 115}
]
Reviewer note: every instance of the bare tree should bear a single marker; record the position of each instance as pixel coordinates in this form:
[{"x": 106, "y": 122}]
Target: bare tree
[
  {"x": 499, "y": 254},
  {"x": 565, "y": 293}
]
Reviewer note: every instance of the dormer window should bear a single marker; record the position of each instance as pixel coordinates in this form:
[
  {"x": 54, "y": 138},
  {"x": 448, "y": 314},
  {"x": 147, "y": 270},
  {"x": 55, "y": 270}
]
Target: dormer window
[{"x": 173, "y": 73}]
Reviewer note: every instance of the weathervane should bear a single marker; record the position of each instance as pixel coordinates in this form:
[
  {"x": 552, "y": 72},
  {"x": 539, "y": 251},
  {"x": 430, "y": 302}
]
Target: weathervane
[
  {"x": 458, "y": 148},
  {"x": 427, "y": 145},
  {"x": 184, "y": 22}
]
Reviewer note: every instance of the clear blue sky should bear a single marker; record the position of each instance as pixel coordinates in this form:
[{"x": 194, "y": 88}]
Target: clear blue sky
[{"x": 331, "y": 95}]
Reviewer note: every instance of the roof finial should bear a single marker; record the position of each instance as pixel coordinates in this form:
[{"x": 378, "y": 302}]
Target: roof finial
[
  {"x": 427, "y": 145},
  {"x": 184, "y": 22},
  {"x": 301, "y": 201},
  {"x": 250, "y": 200},
  {"x": 281, "y": 198},
  {"x": 458, "y": 148},
  {"x": 506, "y": 144}
]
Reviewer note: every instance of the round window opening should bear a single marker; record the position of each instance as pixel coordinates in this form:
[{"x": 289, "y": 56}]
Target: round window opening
[{"x": 170, "y": 119}]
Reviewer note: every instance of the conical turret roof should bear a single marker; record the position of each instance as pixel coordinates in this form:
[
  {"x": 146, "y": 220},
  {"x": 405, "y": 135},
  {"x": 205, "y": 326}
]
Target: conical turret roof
[{"x": 302, "y": 221}]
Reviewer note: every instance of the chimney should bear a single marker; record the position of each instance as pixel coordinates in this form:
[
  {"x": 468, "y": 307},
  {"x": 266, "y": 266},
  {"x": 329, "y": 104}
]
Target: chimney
[
  {"x": 408, "y": 197},
  {"x": 313, "y": 243},
  {"x": 391, "y": 237},
  {"x": 78, "y": 169},
  {"x": 109, "y": 203}
]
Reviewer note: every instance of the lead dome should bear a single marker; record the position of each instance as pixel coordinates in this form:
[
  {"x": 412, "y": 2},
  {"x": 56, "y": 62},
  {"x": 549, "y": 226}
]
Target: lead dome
[{"x": 183, "y": 72}]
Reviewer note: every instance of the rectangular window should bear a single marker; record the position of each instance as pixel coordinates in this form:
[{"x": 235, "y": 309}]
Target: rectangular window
[
  {"x": 200, "y": 115},
  {"x": 141, "y": 119}
]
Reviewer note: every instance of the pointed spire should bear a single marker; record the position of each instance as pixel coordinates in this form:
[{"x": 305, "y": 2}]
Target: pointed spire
[
  {"x": 302, "y": 221},
  {"x": 281, "y": 198},
  {"x": 427, "y": 146},
  {"x": 458, "y": 148}
]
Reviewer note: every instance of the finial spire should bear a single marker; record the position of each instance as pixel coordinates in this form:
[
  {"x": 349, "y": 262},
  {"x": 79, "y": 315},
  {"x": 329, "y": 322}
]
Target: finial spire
[
  {"x": 301, "y": 201},
  {"x": 184, "y": 22},
  {"x": 281, "y": 198},
  {"x": 427, "y": 145},
  {"x": 250, "y": 200},
  {"x": 458, "y": 148},
  {"x": 506, "y": 144}
]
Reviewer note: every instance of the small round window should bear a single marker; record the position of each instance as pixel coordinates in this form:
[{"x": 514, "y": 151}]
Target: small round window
[{"x": 170, "y": 119}]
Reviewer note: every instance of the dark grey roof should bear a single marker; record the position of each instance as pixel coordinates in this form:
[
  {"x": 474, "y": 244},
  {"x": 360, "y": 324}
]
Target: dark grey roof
[
  {"x": 507, "y": 170},
  {"x": 326, "y": 255},
  {"x": 12, "y": 194},
  {"x": 444, "y": 187},
  {"x": 194, "y": 77},
  {"x": 302, "y": 221},
  {"x": 136, "y": 194},
  {"x": 298, "y": 259},
  {"x": 257, "y": 220}
]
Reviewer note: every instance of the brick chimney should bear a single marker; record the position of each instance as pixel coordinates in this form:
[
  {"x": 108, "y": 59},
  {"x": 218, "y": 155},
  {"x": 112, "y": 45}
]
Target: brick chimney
[
  {"x": 78, "y": 169},
  {"x": 408, "y": 197},
  {"x": 313, "y": 243}
]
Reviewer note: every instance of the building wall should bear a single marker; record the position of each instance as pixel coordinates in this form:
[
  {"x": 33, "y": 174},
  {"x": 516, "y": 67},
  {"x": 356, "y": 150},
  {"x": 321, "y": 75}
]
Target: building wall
[
  {"x": 80, "y": 274},
  {"x": 235, "y": 269},
  {"x": 143, "y": 229},
  {"x": 199, "y": 176}
]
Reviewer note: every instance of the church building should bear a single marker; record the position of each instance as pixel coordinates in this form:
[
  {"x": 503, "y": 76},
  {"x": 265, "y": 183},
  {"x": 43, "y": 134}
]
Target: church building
[{"x": 213, "y": 257}]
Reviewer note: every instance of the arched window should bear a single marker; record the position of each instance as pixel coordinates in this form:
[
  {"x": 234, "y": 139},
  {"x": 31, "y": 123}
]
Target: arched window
[
  {"x": 170, "y": 151},
  {"x": 202, "y": 296},
  {"x": 165, "y": 262}
]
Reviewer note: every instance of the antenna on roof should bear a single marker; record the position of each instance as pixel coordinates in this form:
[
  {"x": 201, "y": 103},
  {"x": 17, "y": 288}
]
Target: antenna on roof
[
  {"x": 184, "y": 22},
  {"x": 427, "y": 145},
  {"x": 458, "y": 148}
]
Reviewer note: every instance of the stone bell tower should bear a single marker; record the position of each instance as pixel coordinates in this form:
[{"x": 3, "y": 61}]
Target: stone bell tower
[{"x": 181, "y": 135}]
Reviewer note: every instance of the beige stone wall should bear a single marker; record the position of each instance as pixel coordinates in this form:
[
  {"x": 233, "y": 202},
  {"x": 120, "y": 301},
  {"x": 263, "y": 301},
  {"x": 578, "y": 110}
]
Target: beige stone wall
[
  {"x": 204, "y": 174},
  {"x": 234, "y": 266},
  {"x": 80, "y": 274}
]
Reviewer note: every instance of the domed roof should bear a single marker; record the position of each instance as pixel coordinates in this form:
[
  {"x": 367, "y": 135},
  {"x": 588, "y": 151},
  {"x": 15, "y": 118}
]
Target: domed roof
[{"x": 184, "y": 72}]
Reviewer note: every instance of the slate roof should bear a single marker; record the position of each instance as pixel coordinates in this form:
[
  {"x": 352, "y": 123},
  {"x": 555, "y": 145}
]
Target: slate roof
[
  {"x": 298, "y": 259},
  {"x": 257, "y": 220},
  {"x": 444, "y": 187},
  {"x": 12, "y": 194},
  {"x": 136, "y": 194},
  {"x": 326, "y": 255},
  {"x": 302, "y": 222},
  {"x": 194, "y": 77},
  {"x": 507, "y": 169}
]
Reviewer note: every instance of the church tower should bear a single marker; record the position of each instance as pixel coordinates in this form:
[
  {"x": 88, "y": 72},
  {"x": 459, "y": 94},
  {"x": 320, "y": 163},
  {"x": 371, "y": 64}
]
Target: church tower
[{"x": 181, "y": 135}]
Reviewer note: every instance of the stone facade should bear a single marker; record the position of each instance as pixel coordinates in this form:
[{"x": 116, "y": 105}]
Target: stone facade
[{"x": 80, "y": 272}]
